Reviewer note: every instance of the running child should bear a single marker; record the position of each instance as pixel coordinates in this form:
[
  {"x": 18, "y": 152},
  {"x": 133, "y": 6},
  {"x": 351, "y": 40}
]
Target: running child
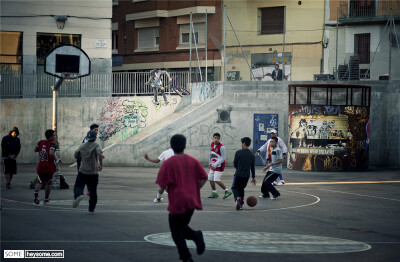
[
  {"x": 164, "y": 156},
  {"x": 46, "y": 166},
  {"x": 275, "y": 168}
]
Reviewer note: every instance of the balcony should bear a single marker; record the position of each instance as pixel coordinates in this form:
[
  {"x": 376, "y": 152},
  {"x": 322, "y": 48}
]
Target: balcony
[{"x": 367, "y": 11}]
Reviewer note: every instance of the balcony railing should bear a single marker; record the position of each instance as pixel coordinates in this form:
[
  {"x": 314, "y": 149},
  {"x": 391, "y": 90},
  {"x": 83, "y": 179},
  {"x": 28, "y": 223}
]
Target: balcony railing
[{"x": 367, "y": 9}]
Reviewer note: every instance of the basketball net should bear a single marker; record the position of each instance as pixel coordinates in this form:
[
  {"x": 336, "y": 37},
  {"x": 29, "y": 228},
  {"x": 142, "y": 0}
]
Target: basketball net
[{"x": 70, "y": 76}]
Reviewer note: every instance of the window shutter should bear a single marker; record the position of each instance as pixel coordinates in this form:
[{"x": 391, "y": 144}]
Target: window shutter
[{"x": 272, "y": 20}]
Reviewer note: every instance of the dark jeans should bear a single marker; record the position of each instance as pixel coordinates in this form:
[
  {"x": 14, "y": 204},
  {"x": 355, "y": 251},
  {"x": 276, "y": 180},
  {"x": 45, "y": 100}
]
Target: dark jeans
[
  {"x": 156, "y": 93},
  {"x": 267, "y": 187},
  {"x": 180, "y": 230},
  {"x": 78, "y": 163},
  {"x": 238, "y": 186},
  {"x": 91, "y": 181}
]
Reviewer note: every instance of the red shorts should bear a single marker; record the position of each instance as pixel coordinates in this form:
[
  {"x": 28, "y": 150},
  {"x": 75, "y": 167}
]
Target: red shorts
[{"x": 45, "y": 178}]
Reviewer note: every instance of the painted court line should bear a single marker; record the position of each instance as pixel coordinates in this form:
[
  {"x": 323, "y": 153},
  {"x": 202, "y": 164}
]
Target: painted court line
[
  {"x": 53, "y": 208},
  {"x": 341, "y": 183},
  {"x": 370, "y": 196},
  {"x": 74, "y": 241}
]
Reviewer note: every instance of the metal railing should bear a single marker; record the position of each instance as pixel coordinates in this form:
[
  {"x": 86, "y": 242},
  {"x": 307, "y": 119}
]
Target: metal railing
[
  {"x": 115, "y": 84},
  {"x": 368, "y": 8},
  {"x": 134, "y": 83}
]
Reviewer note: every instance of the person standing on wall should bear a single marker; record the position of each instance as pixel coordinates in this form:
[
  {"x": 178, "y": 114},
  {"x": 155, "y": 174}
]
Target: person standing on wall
[
  {"x": 217, "y": 166},
  {"x": 267, "y": 147},
  {"x": 183, "y": 176},
  {"x": 277, "y": 74},
  {"x": 155, "y": 81},
  {"x": 10, "y": 148},
  {"x": 164, "y": 156}
]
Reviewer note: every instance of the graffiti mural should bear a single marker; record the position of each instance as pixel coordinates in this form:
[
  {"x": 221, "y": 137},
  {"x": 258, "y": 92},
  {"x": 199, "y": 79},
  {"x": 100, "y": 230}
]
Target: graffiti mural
[
  {"x": 122, "y": 117},
  {"x": 206, "y": 91},
  {"x": 328, "y": 138}
]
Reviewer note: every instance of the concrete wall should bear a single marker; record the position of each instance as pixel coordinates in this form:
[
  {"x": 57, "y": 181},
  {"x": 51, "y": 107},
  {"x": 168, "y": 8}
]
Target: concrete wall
[
  {"x": 247, "y": 98},
  {"x": 244, "y": 99},
  {"x": 119, "y": 118}
]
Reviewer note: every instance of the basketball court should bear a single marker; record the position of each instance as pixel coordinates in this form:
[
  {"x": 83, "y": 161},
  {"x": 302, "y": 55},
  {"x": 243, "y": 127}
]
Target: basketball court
[{"x": 319, "y": 217}]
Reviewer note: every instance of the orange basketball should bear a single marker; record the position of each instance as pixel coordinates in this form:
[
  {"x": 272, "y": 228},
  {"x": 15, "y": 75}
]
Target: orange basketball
[{"x": 251, "y": 201}]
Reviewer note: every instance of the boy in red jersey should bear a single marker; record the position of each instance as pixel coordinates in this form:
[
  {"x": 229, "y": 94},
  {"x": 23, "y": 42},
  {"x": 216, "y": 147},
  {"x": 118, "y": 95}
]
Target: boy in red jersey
[
  {"x": 183, "y": 176},
  {"x": 217, "y": 166},
  {"x": 47, "y": 165}
]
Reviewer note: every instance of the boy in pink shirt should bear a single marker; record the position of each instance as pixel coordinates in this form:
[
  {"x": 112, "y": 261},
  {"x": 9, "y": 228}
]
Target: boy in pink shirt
[{"x": 183, "y": 176}]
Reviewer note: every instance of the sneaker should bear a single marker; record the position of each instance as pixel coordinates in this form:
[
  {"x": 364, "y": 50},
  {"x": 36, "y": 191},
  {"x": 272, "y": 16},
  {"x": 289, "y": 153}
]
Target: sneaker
[
  {"x": 283, "y": 182},
  {"x": 263, "y": 196},
  {"x": 77, "y": 201},
  {"x": 274, "y": 183},
  {"x": 91, "y": 212},
  {"x": 36, "y": 201},
  {"x": 239, "y": 203},
  {"x": 227, "y": 194},
  {"x": 280, "y": 183},
  {"x": 241, "y": 207},
  {"x": 47, "y": 200},
  {"x": 8, "y": 185},
  {"x": 199, "y": 241},
  {"x": 274, "y": 197},
  {"x": 213, "y": 195},
  {"x": 158, "y": 200}
]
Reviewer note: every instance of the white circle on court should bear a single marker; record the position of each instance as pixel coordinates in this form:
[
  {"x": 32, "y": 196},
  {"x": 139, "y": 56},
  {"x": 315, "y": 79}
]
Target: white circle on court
[{"x": 259, "y": 242}]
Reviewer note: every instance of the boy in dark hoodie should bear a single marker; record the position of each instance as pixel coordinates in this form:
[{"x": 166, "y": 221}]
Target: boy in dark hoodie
[{"x": 10, "y": 148}]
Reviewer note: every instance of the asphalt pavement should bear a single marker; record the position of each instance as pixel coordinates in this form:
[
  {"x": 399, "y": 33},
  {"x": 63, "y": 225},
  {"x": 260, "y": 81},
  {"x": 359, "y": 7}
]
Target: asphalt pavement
[{"x": 336, "y": 216}]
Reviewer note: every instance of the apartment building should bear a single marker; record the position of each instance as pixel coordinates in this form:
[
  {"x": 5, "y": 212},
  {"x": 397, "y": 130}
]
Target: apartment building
[
  {"x": 155, "y": 34},
  {"x": 367, "y": 47},
  {"x": 260, "y": 34},
  {"x": 30, "y": 29}
]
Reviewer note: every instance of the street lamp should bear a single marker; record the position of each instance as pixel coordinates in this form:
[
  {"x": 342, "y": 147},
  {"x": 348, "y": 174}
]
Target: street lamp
[{"x": 60, "y": 21}]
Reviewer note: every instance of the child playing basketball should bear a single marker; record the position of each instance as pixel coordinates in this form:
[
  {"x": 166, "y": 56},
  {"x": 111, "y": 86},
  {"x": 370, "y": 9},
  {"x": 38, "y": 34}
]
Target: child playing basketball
[
  {"x": 47, "y": 165},
  {"x": 183, "y": 176},
  {"x": 217, "y": 166},
  {"x": 244, "y": 163},
  {"x": 164, "y": 156}
]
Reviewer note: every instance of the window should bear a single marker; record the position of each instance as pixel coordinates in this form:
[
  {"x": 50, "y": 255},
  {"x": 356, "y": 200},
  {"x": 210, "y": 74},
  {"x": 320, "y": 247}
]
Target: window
[
  {"x": 271, "y": 20},
  {"x": 362, "y": 43},
  {"x": 197, "y": 37},
  {"x": 185, "y": 38},
  {"x": 46, "y": 42},
  {"x": 148, "y": 38},
  {"x": 10, "y": 52},
  {"x": 115, "y": 40},
  {"x": 364, "y": 74}
]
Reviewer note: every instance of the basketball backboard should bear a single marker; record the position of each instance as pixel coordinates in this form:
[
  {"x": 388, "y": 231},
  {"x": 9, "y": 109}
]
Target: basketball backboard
[{"x": 67, "y": 61}]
